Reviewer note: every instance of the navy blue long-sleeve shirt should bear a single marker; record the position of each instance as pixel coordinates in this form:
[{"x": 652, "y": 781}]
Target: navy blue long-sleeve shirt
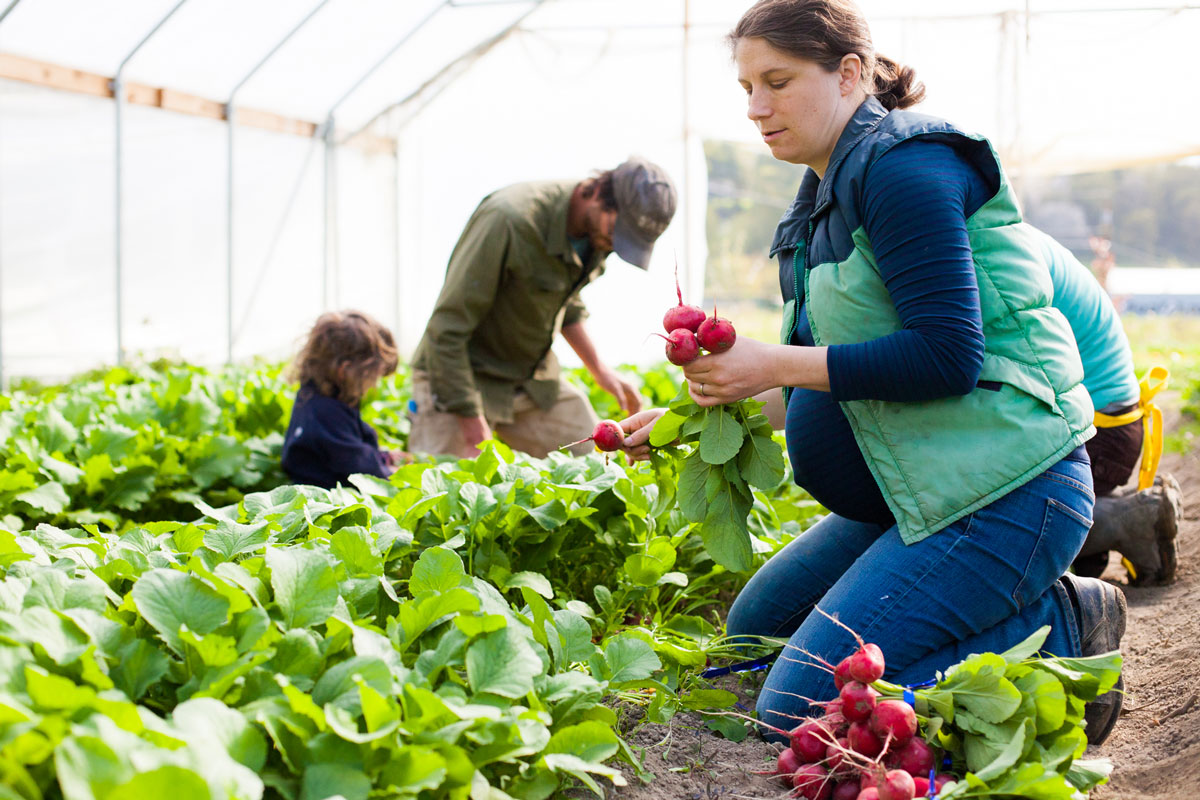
[
  {"x": 916, "y": 200},
  {"x": 327, "y": 442}
]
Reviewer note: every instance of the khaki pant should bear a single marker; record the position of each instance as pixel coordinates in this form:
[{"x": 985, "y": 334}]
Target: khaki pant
[{"x": 532, "y": 430}]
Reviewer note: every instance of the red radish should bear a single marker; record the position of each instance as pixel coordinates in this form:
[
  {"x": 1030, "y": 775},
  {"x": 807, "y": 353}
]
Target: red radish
[
  {"x": 858, "y": 701},
  {"x": 809, "y": 740},
  {"x": 836, "y": 723},
  {"x": 915, "y": 757},
  {"x": 607, "y": 435},
  {"x": 866, "y": 665},
  {"x": 788, "y": 763},
  {"x": 837, "y": 759},
  {"x": 682, "y": 316},
  {"x": 812, "y": 782},
  {"x": 863, "y": 741},
  {"x": 845, "y": 791},
  {"x": 870, "y": 793},
  {"x": 682, "y": 347},
  {"x": 897, "y": 785},
  {"x": 867, "y": 778},
  {"x": 920, "y": 786},
  {"x": 834, "y": 706},
  {"x": 841, "y": 673},
  {"x": 715, "y": 334},
  {"x": 895, "y": 717}
]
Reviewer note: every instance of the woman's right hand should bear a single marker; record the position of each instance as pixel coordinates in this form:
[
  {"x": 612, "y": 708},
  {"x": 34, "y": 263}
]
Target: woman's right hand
[{"x": 637, "y": 433}]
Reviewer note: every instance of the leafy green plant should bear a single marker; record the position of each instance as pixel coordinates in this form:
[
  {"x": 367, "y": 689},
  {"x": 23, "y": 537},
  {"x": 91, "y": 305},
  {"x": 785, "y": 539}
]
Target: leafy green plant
[{"x": 732, "y": 449}]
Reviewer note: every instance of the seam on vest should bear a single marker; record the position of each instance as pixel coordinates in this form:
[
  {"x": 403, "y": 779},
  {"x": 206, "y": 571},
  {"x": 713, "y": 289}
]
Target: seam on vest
[{"x": 1040, "y": 361}]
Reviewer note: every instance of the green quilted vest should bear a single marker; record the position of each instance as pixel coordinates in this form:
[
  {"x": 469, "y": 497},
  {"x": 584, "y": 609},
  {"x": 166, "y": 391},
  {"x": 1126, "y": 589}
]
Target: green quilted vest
[{"x": 937, "y": 461}]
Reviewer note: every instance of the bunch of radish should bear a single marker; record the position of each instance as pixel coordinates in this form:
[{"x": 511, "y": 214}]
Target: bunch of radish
[
  {"x": 689, "y": 329},
  {"x": 863, "y": 748}
]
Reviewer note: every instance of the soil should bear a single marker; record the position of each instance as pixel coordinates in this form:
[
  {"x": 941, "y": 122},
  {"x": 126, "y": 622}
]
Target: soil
[{"x": 1155, "y": 747}]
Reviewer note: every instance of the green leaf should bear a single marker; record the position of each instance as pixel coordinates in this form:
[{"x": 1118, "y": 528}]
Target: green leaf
[
  {"x": 760, "y": 462},
  {"x": 532, "y": 580},
  {"x": 502, "y": 663},
  {"x": 1087, "y": 678},
  {"x": 629, "y": 659},
  {"x": 724, "y": 531},
  {"x": 732, "y": 729},
  {"x": 1049, "y": 699},
  {"x": 574, "y": 634},
  {"x": 230, "y": 539},
  {"x": 1033, "y": 781},
  {"x": 979, "y": 686},
  {"x": 354, "y": 547},
  {"x": 1084, "y": 774},
  {"x": 580, "y": 769},
  {"x": 178, "y": 783},
  {"x": 211, "y": 724},
  {"x": 1028, "y": 647},
  {"x": 168, "y": 600},
  {"x": 693, "y": 488},
  {"x": 55, "y": 433},
  {"x": 96, "y": 470},
  {"x": 721, "y": 438},
  {"x": 666, "y": 430},
  {"x": 412, "y": 770},
  {"x": 550, "y": 515},
  {"x": 323, "y": 781},
  {"x": 140, "y": 666},
  {"x": 221, "y": 457},
  {"x": 304, "y": 584},
  {"x": 590, "y": 741},
  {"x": 437, "y": 570},
  {"x": 49, "y": 498},
  {"x": 1008, "y": 755}
]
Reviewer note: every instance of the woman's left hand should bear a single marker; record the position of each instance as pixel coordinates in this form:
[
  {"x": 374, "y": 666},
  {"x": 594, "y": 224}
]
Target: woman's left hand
[{"x": 746, "y": 369}]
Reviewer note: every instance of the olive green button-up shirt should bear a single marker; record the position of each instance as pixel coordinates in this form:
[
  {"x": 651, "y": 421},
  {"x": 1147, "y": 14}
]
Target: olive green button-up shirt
[{"x": 512, "y": 283}]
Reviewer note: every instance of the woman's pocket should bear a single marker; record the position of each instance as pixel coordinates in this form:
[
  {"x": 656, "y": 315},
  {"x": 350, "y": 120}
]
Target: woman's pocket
[{"x": 1062, "y": 534}]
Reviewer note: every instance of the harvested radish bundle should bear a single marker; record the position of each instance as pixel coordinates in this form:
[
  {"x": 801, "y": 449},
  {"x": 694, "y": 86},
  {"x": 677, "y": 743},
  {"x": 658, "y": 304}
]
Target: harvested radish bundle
[{"x": 1010, "y": 724}]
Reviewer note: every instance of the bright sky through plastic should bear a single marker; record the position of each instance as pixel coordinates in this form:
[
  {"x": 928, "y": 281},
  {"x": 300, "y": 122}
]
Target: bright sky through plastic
[{"x": 579, "y": 86}]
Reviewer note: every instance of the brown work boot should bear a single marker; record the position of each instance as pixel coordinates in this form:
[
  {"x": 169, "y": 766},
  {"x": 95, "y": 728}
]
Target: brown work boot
[
  {"x": 1101, "y": 612},
  {"x": 1142, "y": 527}
]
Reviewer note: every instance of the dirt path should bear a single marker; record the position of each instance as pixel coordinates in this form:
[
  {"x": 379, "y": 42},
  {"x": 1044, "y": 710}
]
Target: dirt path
[{"x": 1155, "y": 747}]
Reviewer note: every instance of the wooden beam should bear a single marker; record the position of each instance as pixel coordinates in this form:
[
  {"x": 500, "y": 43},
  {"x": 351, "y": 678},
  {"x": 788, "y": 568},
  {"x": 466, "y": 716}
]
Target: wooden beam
[{"x": 77, "y": 81}]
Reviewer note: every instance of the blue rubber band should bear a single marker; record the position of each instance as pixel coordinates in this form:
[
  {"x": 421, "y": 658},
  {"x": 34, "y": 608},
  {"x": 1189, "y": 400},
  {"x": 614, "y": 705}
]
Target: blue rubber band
[
  {"x": 910, "y": 697},
  {"x": 932, "y": 794},
  {"x": 745, "y": 666}
]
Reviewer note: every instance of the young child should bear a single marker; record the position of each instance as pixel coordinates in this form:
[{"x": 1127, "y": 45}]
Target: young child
[{"x": 327, "y": 441}]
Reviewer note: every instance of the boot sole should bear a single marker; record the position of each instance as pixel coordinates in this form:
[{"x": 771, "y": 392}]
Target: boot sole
[{"x": 1106, "y": 709}]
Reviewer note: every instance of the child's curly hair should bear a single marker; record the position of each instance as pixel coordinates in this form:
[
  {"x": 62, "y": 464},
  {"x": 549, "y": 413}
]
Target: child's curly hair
[{"x": 345, "y": 353}]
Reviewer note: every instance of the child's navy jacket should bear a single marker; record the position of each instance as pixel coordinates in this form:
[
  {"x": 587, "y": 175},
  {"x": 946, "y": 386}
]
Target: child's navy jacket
[{"x": 327, "y": 441}]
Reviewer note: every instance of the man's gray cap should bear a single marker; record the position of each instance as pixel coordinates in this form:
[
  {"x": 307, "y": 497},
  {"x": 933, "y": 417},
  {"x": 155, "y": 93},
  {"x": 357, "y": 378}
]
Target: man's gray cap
[{"x": 646, "y": 202}]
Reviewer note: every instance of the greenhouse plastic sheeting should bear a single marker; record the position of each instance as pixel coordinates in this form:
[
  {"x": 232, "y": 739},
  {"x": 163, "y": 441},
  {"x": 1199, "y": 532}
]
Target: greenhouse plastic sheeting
[{"x": 578, "y": 85}]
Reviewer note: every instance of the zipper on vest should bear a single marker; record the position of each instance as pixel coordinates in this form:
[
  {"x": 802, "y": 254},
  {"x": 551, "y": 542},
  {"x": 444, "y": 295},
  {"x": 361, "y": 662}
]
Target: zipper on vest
[
  {"x": 796, "y": 278},
  {"x": 795, "y": 294}
]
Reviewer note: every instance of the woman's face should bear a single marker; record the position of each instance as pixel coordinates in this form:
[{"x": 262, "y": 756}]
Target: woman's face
[{"x": 800, "y": 108}]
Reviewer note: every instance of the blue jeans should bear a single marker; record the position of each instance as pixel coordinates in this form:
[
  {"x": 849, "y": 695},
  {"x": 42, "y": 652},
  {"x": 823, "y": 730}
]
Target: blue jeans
[{"x": 982, "y": 584}]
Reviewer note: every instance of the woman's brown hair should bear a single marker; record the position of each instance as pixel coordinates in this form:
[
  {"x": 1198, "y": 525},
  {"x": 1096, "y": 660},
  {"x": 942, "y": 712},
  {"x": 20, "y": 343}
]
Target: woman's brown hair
[
  {"x": 345, "y": 353},
  {"x": 823, "y": 31}
]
